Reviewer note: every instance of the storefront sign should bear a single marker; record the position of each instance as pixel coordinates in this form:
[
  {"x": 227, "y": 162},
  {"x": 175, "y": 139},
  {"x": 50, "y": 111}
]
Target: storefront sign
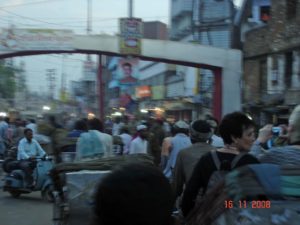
[
  {"x": 143, "y": 92},
  {"x": 158, "y": 92}
]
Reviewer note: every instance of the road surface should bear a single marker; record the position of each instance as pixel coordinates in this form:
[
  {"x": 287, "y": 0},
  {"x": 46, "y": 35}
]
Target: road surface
[{"x": 28, "y": 209}]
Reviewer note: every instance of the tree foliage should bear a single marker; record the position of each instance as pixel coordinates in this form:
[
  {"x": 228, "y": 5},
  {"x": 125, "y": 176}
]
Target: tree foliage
[{"x": 7, "y": 81}]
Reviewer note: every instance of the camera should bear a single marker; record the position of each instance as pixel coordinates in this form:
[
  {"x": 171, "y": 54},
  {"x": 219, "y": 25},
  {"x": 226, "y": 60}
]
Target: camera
[{"x": 276, "y": 131}]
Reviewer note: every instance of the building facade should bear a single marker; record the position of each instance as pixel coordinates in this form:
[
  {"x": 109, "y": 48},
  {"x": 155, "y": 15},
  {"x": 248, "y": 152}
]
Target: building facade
[{"x": 272, "y": 64}]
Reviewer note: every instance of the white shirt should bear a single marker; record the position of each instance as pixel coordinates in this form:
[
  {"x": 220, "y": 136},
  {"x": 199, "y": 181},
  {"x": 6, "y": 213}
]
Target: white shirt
[
  {"x": 116, "y": 128},
  {"x": 217, "y": 141},
  {"x": 138, "y": 145},
  {"x": 26, "y": 149},
  {"x": 126, "y": 138},
  {"x": 107, "y": 140}
]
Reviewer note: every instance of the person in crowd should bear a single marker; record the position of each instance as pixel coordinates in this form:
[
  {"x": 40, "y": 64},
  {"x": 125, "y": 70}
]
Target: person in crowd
[
  {"x": 117, "y": 126},
  {"x": 32, "y": 125},
  {"x": 156, "y": 136},
  {"x": 238, "y": 133},
  {"x": 180, "y": 141},
  {"x": 126, "y": 138},
  {"x": 133, "y": 194},
  {"x": 94, "y": 143},
  {"x": 187, "y": 158},
  {"x": 29, "y": 149},
  {"x": 216, "y": 141},
  {"x": 80, "y": 126},
  {"x": 165, "y": 149},
  {"x": 53, "y": 122},
  {"x": 19, "y": 131},
  {"x": 140, "y": 144},
  {"x": 284, "y": 155}
]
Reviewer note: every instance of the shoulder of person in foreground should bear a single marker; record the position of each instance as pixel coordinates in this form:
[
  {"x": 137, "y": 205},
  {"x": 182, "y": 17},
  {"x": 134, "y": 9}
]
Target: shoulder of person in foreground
[{"x": 284, "y": 155}]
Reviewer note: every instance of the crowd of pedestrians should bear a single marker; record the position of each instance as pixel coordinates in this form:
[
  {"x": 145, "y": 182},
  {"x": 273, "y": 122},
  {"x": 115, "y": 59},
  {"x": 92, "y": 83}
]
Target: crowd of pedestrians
[{"x": 186, "y": 154}]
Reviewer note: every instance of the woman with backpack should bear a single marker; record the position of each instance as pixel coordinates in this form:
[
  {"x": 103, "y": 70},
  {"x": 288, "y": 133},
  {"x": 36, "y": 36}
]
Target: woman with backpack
[{"x": 238, "y": 133}]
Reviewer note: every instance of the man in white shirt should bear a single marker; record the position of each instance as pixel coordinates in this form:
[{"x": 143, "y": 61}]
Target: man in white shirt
[
  {"x": 28, "y": 150},
  {"x": 126, "y": 138},
  {"x": 139, "y": 144}
]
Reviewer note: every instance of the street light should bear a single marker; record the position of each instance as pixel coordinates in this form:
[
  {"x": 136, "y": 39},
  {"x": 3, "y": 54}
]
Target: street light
[{"x": 46, "y": 108}]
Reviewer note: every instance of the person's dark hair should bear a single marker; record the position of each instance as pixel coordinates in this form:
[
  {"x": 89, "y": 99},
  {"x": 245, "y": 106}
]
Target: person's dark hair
[
  {"x": 200, "y": 131},
  {"x": 233, "y": 125},
  {"x": 134, "y": 194},
  {"x": 80, "y": 125},
  {"x": 126, "y": 64},
  {"x": 32, "y": 120},
  {"x": 6, "y": 119},
  {"x": 27, "y": 130},
  {"x": 95, "y": 124}
]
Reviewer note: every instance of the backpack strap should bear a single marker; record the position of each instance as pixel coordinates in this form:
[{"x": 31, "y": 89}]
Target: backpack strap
[
  {"x": 237, "y": 158},
  {"x": 216, "y": 159}
]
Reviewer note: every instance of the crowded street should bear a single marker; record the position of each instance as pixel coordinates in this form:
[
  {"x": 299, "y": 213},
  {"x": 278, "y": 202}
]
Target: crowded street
[{"x": 161, "y": 112}]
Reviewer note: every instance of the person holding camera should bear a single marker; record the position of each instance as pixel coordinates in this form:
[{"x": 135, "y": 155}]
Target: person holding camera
[
  {"x": 285, "y": 155},
  {"x": 28, "y": 150}
]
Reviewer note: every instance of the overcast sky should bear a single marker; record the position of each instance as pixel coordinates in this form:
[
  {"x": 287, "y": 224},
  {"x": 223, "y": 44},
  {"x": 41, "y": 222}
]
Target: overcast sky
[{"x": 72, "y": 14}]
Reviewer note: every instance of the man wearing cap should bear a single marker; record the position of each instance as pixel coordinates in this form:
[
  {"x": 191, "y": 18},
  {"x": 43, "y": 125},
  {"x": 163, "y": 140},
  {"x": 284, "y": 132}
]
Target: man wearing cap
[
  {"x": 180, "y": 141},
  {"x": 216, "y": 141},
  {"x": 187, "y": 158},
  {"x": 140, "y": 143}
]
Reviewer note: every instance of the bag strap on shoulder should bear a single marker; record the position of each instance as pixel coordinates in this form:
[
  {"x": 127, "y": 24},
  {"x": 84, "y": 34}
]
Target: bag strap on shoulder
[
  {"x": 216, "y": 159},
  {"x": 237, "y": 158}
]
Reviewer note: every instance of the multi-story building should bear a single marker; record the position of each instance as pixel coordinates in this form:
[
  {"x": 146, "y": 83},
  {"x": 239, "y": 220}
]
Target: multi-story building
[
  {"x": 208, "y": 23},
  {"x": 272, "y": 64}
]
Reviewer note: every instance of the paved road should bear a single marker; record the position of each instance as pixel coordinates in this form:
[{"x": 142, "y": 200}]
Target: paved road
[{"x": 28, "y": 209}]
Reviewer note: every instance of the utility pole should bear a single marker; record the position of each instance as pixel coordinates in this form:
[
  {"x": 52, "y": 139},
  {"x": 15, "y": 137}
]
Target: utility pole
[
  {"x": 130, "y": 8},
  {"x": 89, "y": 17}
]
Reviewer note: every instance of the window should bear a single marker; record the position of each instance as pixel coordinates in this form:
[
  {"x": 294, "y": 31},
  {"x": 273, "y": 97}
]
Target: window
[
  {"x": 264, "y": 13},
  {"x": 288, "y": 69}
]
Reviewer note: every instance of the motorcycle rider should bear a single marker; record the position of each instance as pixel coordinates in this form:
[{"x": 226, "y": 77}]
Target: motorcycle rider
[{"x": 28, "y": 150}]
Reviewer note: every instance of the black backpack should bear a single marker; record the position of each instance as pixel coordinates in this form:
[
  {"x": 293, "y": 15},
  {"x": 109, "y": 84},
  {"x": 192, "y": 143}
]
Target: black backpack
[{"x": 220, "y": 173}]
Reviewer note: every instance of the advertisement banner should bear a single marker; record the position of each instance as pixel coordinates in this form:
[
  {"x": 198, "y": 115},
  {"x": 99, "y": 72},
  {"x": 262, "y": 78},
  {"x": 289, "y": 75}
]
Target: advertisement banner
[
  {"x": 128, "y": 71},
  {"x": 35, "y": 39},
  {"x": 143, "y": 92},
  {"x": 158, "y": 92},
  {"x": 131, "y": 32}
]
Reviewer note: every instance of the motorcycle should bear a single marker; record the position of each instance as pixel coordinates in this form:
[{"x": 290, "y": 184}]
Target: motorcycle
[{"x": 14, "y": 181}]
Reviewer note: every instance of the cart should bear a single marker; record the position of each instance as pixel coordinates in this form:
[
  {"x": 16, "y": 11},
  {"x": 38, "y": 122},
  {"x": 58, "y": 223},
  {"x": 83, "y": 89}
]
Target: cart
[{"x": 74, "y": 186}]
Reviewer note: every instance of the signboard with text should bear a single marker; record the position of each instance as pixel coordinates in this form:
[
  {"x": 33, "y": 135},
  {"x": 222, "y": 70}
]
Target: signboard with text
[
  {"x": 13, "y": 39},
  {"x": 131, "y": 32}
]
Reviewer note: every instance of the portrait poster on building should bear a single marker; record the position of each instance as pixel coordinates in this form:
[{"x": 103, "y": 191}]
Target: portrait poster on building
[{"x": 128, "y": 71}]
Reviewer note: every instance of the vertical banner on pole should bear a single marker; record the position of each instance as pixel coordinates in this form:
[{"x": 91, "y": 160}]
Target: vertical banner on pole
[{"x": 131, "y": 32}]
